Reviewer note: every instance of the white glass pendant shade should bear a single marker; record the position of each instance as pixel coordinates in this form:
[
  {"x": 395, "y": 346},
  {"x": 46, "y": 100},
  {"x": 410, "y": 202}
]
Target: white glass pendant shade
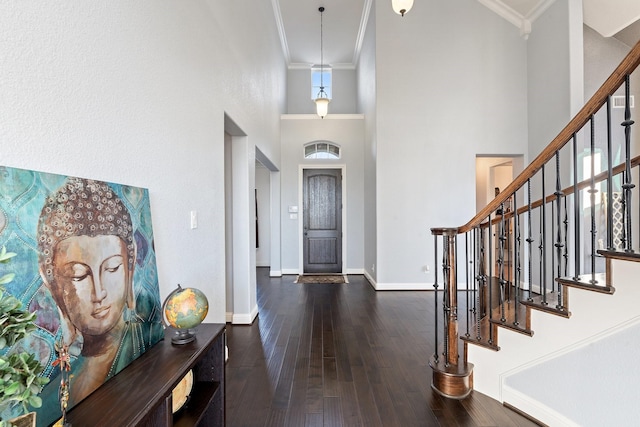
[
  {"x": 322, "y": 104},
  {"x": 401, "y": 6}
]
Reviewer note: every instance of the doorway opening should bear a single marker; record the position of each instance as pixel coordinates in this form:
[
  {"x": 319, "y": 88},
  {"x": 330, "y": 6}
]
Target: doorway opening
[{"x": 493, "y": 174}]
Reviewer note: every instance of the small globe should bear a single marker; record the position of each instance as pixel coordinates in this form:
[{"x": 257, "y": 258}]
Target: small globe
[{"x": 185, "y": 308}]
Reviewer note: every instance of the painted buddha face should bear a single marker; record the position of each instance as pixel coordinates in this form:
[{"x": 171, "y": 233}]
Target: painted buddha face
[{"x": 92, "y": 278}]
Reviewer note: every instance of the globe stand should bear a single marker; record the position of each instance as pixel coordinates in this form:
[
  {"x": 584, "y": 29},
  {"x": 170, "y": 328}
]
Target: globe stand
[
  {"x": 183, "y": 336},
  {"x": 186, "y": 313}
]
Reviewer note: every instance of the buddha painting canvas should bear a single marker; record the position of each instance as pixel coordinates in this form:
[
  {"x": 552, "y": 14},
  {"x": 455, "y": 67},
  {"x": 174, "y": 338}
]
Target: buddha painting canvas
[{"x": 86, "y": 265}]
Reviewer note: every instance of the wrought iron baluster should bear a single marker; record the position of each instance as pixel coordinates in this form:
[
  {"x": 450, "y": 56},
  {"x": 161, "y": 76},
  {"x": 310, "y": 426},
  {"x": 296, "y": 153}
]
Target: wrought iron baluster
[
  {"x": 623, "y": 208},
  {"x": 592, "y": 200},
  {"x": 468, "y": 264},
  {"x": 543, "y": 237},
  {"x": 566, "y": 238},
  {"x": 628, "y": 185},
  {"x": 501, "y": 243},
  {"x": 474, "y": 269},
  {"x": 576, "y": 212},
  {"x": 483, "y": 272},
  {"x": 453, "y": 264},
  {"x": 481, "y": 278},
  {"x": 554, "y": 243},
  {"x": 559, "y": 243},
  {"x": 609, "y": 179},
  {"x": 516, "y": 257},
  {"x": 446, "y": 297},
  {"x": 435, "y": 288},
  {"x": 490, "y": 281},
  {"x": 529, "y": 239}
]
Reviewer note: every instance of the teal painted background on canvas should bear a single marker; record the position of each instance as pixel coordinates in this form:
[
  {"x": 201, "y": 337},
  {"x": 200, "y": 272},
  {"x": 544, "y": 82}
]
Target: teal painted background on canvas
[{"x": 22, "y": 196}]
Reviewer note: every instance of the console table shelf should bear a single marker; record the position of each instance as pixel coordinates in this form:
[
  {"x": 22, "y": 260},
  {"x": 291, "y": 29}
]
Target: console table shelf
[{"x": 141, "y": 394}]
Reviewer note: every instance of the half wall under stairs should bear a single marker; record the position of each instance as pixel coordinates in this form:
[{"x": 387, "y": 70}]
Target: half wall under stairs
[{"x": 599, "y": 387}]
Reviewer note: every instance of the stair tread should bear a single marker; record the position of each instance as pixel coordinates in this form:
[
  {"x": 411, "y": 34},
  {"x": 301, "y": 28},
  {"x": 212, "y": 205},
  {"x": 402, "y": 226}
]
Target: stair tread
[
  {"x": 512, "y": 312},
  {"x": 549, "y": 304},
  {"x": 596, "y": 283},
  {"x": 620, "y": 254},
  {"x": 459, "y": 369},
  {"x": 482, "y": 342}
]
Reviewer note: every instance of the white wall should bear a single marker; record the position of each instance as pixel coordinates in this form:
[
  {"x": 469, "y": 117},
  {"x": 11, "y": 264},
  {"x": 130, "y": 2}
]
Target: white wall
[
  {"x": 601, "y": 56},
  {"x": 555, "y": 95},
  {"x": 450, "y": 83},
  {"x": 263, "y": 187},
  {"x": 135, "y": 93},
  {"x": 228, "y": 205},
  {"x": 343, "y": 91},
  {"x": 555, "y": 89},
  {"x": 366, "y": 73},
  {"x": 347, "y": 131},
  {"x": 607, "y": 398}
]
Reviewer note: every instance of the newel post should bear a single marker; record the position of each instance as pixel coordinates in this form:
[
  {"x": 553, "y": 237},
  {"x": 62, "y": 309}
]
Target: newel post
[
  {"x": 452, "y": 377},
  {"x": 451, "y": 293}
]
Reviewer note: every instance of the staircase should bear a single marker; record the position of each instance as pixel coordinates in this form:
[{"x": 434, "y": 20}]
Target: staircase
[{"x": 542, "y": 279}]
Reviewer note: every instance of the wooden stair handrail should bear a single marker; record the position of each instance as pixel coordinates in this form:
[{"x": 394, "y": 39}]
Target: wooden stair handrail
[
  {"x": 602, "y": 176},
  {"x": 451, "y": 378},
  {"x": 608, "y": 88}
]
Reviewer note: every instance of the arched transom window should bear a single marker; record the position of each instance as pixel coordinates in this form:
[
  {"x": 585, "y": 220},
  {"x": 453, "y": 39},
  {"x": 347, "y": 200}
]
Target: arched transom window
[{"x": 321, "y": 150}]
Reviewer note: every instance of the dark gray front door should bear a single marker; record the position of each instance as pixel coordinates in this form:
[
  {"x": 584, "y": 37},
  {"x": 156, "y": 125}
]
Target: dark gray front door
[{"x": 322, "y": 220}]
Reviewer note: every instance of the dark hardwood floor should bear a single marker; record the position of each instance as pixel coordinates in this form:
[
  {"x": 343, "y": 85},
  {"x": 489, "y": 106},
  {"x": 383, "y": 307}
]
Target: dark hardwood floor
[{"x": 342, "y": 355}]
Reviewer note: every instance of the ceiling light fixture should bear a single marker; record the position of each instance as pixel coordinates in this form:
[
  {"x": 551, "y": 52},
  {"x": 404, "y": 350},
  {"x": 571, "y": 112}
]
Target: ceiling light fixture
[
  {"x": 401, "y": 6},
  {"x": 322, "y": 100}
]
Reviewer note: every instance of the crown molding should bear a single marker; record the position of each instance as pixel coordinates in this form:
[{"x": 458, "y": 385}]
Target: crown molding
[
  {"x": 306, "y": 66},
  {"x": 332, "y": 116},
  {"x": 362, "y": 30},
  {"x": 283, "y": 36},
  {"x": 539, "y": 9},
  {"x": 523, "y": 22}
]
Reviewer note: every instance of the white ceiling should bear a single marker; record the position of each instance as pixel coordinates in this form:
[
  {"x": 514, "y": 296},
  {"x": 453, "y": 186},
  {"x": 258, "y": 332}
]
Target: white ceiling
[{"x": 344, "y": 24}]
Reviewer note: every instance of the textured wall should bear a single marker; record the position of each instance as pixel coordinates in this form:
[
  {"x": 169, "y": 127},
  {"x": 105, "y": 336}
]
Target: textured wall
[
  {"x": 451, "y": 83},
  {"x": 136, "y": 92},
  {"x": 348, "y": 133}
]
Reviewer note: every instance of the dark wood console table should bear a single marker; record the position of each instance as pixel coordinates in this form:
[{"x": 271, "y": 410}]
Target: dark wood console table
[{"x": 140, "y": 395}]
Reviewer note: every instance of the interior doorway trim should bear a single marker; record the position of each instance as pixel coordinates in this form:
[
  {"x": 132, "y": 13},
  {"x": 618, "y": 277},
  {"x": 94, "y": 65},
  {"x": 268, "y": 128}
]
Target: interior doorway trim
[{"x": 343, "y": 171}]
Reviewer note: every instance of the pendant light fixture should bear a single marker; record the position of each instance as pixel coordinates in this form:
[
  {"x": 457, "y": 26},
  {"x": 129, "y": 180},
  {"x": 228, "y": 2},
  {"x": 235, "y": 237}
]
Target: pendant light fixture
[
  {"x": 322, "y": 100},
  {"x": 401, "y": 6}
]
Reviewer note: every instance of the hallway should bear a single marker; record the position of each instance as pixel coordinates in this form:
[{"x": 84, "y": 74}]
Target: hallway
[{"x": 342, "y": 355}]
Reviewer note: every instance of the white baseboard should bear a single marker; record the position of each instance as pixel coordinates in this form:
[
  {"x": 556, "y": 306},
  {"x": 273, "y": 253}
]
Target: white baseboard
[
  {"x": 370, "y": 279},
  {"x": 402, "y": 287},
  {"x": 397, "y": 286},
  {"x": 296, "y": 271},
  {"x": 245, "y": 318},
  {"x": 275, "y": 273},
  {"x": 535, "y": 409},
  {"x": 228, "y": 318}
]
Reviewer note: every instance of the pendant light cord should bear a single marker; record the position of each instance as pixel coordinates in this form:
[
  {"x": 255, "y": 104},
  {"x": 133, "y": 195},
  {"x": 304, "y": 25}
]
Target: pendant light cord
[{"x": 321, "y": 9}]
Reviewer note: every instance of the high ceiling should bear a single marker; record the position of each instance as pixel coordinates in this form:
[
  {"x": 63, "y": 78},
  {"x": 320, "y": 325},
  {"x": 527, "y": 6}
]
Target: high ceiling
[{"x": 344, "y": 24}]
